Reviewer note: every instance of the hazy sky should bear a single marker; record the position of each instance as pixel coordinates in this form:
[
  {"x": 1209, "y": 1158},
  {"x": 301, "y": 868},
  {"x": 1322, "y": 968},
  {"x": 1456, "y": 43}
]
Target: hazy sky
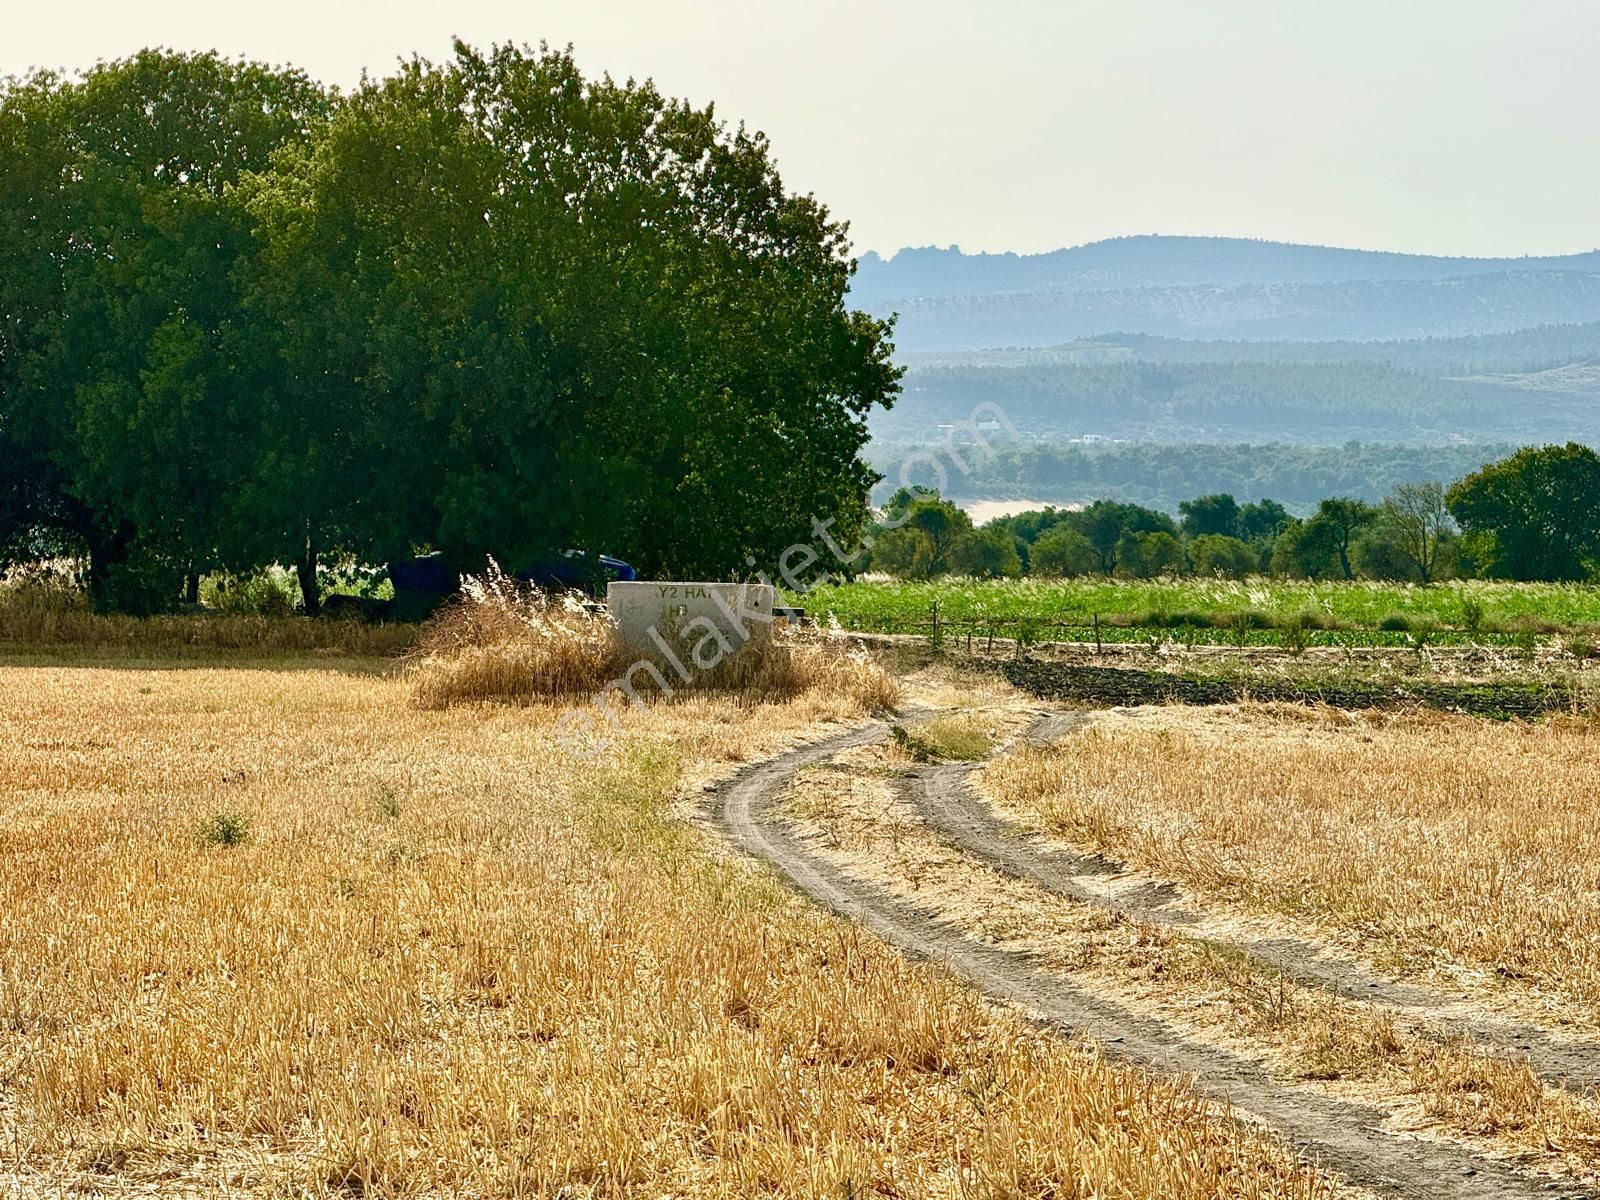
[{"x": 1440, "y": 126}]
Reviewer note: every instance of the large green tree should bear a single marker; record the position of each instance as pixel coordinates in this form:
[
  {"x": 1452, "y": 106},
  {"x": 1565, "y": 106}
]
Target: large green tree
[
  {"x": 1324, "y": 545},
  {"x": 516, "y": 311},
  {"x": 1262, "y": 521},
  {"x": 37, "y": 508},
  {"x": 375, "y": 348},
  {"x": 923, "y": 537},
  {"x": 1412, "y": 535},
  {"x": 1536, "y": 514},
  {"x": 1109, "y": 526},
  {"x": 1062, "y": 550},
  {"x": 120, "y": 387},
  {"x": 488, "y": 306},
  {"x": 1214, "y": 515}
]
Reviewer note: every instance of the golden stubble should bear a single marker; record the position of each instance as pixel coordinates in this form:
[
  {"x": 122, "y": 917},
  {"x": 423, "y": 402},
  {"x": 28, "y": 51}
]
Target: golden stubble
[
  {"x": 279, "y": 930},
  {"x": 857, "y": 812},
  {"x": 1426, "y": 841}
]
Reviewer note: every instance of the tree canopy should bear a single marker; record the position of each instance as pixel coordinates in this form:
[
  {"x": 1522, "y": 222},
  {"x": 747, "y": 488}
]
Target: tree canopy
[
  {"x": 1535, "y": 515},
  {"x": 484, "y": 306}
]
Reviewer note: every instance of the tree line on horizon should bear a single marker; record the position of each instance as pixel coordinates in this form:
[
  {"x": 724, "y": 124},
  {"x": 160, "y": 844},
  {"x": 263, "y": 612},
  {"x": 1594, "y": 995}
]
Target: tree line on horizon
[
  {"x": 485, "y": 306},
  {"x": 1534, "y": 515},
  {"x": 1159, "y": 475}
]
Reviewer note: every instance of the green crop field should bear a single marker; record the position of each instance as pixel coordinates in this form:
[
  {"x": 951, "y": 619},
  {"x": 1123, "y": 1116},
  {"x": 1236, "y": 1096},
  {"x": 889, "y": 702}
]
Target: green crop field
[{"x": 1220, "y": 611}]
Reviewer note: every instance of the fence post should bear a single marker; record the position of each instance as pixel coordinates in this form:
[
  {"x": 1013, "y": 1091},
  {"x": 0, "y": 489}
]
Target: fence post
[{"x": 1097, "y": 635}]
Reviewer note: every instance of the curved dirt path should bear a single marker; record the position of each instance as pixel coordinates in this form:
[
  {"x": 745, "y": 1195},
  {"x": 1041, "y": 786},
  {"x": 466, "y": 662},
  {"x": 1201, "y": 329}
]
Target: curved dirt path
[
  {"x": 1342, "y": 1135},
  {"x": 951, "y": 807}
]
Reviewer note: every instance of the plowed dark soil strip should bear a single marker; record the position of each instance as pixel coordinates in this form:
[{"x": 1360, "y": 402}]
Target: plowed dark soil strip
[
  {"x": 1342, "y": 1135},
  {"x": 1126, "y": 686}
]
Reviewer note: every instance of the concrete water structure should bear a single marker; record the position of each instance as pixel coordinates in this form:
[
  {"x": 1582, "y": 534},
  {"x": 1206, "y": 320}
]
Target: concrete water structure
[{"x": 701, "y": 624}]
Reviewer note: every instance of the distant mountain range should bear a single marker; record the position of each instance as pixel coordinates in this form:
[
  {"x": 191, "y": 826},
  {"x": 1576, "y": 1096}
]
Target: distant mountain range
[{"x": 1216, "y": 288}]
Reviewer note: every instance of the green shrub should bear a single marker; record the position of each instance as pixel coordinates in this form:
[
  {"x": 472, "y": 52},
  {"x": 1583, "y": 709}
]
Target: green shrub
[
  {"x": 1027, "y": 632},
  {"x": 1527, "y": 623},
  {"x": 226, "y": 829},
  {"x": 1188, "y": 618},
  {"x": 1223, "y": 557},
  {"x": 1471, "y": 614},
  {"x": 264, "y": 594},
  {"x": 398, "y": 854},
  {"x": 1397, "y": 623},
  {"x": 1240, "y": 625},
  {"x": 1294, "y": 633},
  {"x": 944, "y": 738},
  {"x": 911, "y": 745},
  {"x": 1311, "y": 618},
  {"x": 957, "y": 740},
  {"x": 388, "y": 804}
]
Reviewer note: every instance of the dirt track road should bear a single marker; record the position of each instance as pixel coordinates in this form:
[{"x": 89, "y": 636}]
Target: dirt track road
[
  {"x": 952, "y": 808},
  {"x": 1344, "y": 1136}
]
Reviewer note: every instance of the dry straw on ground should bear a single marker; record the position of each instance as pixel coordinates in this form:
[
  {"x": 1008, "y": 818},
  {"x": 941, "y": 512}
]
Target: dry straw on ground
[
  {"x": 439, "y": 957},
  {"x": 855, "y": 812},
  {"x": 1426, "y": 839},
  {"x": 49, "y": 614}
]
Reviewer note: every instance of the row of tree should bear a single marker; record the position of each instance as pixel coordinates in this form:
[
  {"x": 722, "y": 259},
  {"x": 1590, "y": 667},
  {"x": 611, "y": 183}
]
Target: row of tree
[
  {"x": 1532, "y": 516},
  {"x": 1160, "y": 474},
  {"x": 487, "y": 306}
]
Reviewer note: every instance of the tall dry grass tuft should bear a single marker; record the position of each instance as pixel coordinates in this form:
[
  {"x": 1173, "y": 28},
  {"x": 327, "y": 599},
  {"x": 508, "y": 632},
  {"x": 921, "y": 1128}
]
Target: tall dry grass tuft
[
  {"x": 795, "y": 661},
  {"x": 509, "y": 642},
  {"x": 506, "y": 642}
]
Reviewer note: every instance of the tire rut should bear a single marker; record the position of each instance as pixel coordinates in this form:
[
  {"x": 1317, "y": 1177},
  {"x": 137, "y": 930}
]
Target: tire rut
[
  {"x": 951, "y": 807},
  {"x": 1342, "y": 1135}
]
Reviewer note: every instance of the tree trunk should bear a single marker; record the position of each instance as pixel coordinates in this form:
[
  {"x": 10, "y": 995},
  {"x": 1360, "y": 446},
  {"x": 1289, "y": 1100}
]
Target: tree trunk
[
  {"x": 106, "y": 552},
  {"x": 1344, "y": 560},
  {"x": 191, "y": 588},
  {"x": 310, "y": 591}
]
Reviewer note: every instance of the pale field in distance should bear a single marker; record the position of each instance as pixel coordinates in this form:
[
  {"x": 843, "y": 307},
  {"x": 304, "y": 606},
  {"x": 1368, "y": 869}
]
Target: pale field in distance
[
  {"x": 440, "y": 957},
  {"x": 1424, "y": 840}
]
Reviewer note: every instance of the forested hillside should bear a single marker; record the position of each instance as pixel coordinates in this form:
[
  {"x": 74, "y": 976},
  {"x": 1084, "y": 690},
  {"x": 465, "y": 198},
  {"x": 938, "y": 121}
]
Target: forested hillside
[
  {"x": 1520, "y": 351},
  {"x": 1152, "y": 419},
  {"x": 1161, "y": 476},
  {"x": 1217, "y": 288},
  {"x": 1353, "y": 309},
  {"x": 1311, "y": 403}
]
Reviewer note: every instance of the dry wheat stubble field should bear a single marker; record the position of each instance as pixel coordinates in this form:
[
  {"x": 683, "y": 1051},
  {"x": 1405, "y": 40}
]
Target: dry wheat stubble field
[
  {"x": 1462, "y": 850},
  {"x": 1411, "y": 1056},
  {"x": 285, "y": 932}
]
